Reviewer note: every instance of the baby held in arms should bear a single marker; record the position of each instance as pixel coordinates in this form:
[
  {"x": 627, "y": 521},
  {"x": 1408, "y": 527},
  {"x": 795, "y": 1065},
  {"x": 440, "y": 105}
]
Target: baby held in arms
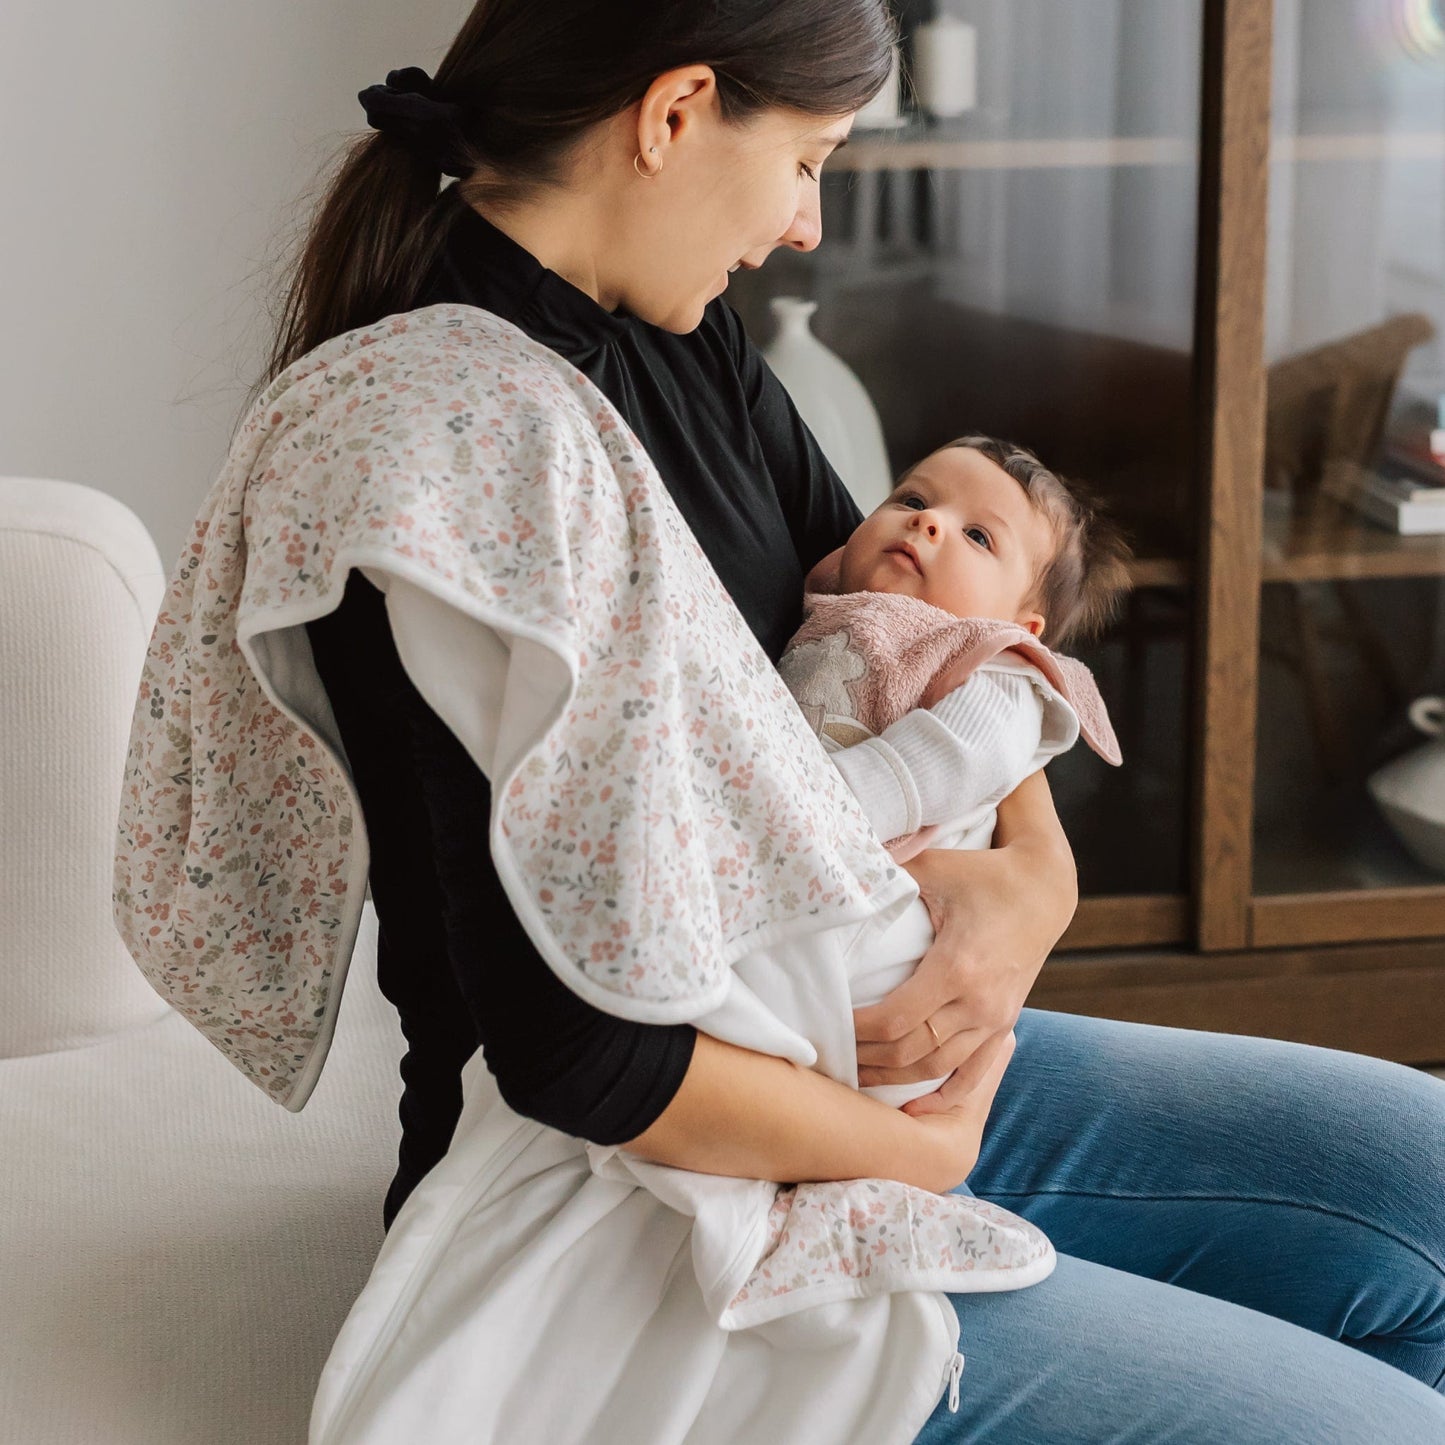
[{"x": 922, "y": 665}]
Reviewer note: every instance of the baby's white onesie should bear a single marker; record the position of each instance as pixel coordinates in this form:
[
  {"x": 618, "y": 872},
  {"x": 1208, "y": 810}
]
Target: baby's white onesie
[{"x": 949, "y": 765}]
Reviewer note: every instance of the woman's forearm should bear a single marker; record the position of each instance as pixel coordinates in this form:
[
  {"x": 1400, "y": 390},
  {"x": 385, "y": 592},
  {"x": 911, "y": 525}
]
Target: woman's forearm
[
  {"x": 1027, "y": 819},
  {"x": 759, "y": 1117}
]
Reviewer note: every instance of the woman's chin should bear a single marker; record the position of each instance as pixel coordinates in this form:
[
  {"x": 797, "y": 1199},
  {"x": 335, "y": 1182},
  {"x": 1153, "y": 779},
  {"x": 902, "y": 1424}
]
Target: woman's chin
[{"x": 681, "y": 319}]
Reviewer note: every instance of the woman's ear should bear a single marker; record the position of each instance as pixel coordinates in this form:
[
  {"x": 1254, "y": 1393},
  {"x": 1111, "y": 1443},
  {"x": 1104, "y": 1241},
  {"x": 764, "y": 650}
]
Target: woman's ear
[
  {"x": 675, "y": 98},
  {"x": 826, "y": 575}
]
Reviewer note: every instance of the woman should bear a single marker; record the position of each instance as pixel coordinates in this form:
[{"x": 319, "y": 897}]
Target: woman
[{"x": 1221, "y": 1205}]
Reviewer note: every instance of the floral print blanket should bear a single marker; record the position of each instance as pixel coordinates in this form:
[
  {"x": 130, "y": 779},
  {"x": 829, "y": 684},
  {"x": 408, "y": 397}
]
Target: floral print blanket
[{"x": 661, "y": 809}]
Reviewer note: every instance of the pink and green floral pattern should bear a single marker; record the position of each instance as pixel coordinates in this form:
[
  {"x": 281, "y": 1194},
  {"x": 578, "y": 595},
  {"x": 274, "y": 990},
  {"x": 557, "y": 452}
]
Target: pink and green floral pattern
[
  {"x": 857, "y": 1237},
  {"x": 675, "y": 815}
]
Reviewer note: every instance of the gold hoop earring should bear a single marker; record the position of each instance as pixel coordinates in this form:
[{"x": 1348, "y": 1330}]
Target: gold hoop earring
[{"x": 646, "y": 175}]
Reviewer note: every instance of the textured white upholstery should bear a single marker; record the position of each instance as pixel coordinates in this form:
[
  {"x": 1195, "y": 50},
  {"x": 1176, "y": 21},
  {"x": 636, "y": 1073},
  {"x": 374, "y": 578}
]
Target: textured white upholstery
[
  {"x": 176, "y": 1252},
  {"x": 80, "y": 584}
]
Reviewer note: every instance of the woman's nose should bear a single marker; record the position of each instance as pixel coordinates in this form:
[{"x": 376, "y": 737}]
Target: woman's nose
[{"x": 807, "y": 228}]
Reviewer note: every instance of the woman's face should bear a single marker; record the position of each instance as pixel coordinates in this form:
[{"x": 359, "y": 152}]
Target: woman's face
[{"x": 724, "y": 197}]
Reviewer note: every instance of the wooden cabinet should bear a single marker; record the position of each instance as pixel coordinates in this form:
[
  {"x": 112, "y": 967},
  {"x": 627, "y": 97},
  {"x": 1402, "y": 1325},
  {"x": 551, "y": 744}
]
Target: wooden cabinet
[{"x": 1193, "y": 252}]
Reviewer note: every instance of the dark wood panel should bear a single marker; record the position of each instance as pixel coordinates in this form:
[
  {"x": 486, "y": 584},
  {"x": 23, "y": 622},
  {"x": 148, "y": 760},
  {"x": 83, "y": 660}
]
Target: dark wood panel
[
  {"x": 1128, "y": 922},
  {"x": 1382, "y": 999},
  {"x": 1234, "y": 185},
  {"x": 1347, "y": 916}
]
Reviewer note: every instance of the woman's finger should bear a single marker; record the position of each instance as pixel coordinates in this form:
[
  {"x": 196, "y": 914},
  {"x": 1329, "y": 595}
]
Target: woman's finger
[
  {"x": 930, "y": 1043},
  {"x": 982, "y": 1070},
  {"x": 927, "y": 1060},
  {"x": 935, "y": 983}
]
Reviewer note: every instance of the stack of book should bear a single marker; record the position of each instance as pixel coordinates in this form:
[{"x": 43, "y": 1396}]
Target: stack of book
[{"x": 1405, "y": 494}]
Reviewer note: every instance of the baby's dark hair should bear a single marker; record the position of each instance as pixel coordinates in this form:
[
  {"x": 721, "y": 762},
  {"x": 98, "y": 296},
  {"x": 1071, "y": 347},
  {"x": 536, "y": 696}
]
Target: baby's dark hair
[{"x": 1080, "y": 588}]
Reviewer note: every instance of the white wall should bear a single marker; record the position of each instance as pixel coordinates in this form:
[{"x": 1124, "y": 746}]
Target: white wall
[{"x": 153, "y": 157}]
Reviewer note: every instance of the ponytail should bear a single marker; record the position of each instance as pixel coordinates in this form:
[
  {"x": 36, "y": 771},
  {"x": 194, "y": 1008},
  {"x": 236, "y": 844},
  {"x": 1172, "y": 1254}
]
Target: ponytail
[{"x": 375, "y": 238}]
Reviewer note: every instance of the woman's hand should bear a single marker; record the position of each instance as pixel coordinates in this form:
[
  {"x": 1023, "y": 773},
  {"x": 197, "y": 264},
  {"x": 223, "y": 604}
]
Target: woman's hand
[
  {"x": 996, "y": 917},
  {"x": 955, "y": 1135}
]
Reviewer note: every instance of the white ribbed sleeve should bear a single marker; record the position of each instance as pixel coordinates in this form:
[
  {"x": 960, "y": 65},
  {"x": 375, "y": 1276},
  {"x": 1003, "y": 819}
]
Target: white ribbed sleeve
[{"x": 972, "y": 748}]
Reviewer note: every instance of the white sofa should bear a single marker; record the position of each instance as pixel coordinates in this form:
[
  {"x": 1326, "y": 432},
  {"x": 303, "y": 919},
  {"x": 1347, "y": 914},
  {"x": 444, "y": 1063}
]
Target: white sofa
[{"x": 176, "y": 1251}]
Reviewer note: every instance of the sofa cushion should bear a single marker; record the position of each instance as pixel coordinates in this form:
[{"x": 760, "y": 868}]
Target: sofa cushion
[
  {"x": 177, "y": 1253},
  {"x": 80, "y": 586}
]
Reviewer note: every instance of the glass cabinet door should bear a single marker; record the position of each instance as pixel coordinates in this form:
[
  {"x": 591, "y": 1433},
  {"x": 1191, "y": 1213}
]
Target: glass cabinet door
[
  {"x": 1026, "y": 269},
  {"x": 1349, "y": 830}
]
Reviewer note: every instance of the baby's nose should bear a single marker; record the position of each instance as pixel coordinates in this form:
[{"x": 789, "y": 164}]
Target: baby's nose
[{"x": 929, "y": 524}]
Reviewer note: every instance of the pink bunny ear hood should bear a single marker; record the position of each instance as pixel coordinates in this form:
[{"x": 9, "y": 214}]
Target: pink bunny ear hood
[{"x": 924, "y": 653}]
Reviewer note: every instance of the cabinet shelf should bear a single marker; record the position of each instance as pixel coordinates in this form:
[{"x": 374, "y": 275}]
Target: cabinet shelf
[
  {"x": 1326, "y": 543},
  {"x": 1330, "y": 541},
  {"x": 1160, "y": 572},
  {"x": 1407, "y": 146},
  {"x": 941, "y": 147},
  {"x": 929, "y": 148},
  {"x": 1348, "y": 915}
]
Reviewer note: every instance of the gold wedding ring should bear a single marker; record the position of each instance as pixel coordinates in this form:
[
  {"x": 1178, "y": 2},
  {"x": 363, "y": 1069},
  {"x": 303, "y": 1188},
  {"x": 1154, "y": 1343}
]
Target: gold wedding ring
[{"x": 928, "y": 1024}]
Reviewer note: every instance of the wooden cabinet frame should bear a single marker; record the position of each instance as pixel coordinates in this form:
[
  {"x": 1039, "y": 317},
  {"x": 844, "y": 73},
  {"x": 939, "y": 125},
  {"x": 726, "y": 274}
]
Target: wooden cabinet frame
[
  {"x": 1237, "y": 963},
  {"x": 1230, "y": 395},
  {"x": 1353, "y": 968}
]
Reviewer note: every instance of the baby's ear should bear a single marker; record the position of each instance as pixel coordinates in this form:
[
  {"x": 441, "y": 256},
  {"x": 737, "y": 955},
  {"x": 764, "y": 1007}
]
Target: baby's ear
[{"x": 826, "y": 576}]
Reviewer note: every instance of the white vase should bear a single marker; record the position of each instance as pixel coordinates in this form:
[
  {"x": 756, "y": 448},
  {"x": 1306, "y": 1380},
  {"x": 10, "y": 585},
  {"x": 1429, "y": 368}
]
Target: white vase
[
  {"x": 833, "y": 402},
  {"x": 1411, "y": 790}
]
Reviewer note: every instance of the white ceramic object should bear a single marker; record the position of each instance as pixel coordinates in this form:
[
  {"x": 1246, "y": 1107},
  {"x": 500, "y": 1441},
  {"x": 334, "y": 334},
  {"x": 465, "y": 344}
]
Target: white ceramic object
[
  {"x": 945, "y": 66},
  {"x": 1410, "y": 791},
  {"x": 833, "y": 402},
  {"x": 883, "y": 112}
]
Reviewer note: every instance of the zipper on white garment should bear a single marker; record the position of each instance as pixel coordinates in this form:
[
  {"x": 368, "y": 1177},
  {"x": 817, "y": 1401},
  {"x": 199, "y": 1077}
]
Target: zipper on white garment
[
  {"x": 955, "y": 1373},
  {"x": 347, "y": 1402}
]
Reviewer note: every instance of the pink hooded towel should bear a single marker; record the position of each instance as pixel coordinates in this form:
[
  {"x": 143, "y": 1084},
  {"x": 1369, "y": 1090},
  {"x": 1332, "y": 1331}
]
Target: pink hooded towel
[{"x": 862, "y": 660}]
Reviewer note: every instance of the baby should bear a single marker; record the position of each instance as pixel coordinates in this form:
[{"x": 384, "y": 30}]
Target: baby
[{"x": 921, "y": 667}]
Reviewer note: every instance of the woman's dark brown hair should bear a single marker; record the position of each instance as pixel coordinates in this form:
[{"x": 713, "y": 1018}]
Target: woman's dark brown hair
[{"x": 530, "y": 80}]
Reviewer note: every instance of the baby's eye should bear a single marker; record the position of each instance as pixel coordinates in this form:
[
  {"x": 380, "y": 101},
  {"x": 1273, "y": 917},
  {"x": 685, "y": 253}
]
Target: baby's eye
[
  {"x": 908, "y": 499},
  {"x": 977, "y": 534},
  {"x": 808, "y": 171}
]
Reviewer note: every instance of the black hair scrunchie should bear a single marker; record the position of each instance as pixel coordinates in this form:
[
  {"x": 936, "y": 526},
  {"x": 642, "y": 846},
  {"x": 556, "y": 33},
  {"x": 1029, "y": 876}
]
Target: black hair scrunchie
[{"x": 407, "y": 110}]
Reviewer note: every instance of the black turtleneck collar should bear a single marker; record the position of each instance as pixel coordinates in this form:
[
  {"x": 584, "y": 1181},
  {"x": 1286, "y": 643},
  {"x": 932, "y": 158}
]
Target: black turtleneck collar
[{"x": 482, "y": 266}]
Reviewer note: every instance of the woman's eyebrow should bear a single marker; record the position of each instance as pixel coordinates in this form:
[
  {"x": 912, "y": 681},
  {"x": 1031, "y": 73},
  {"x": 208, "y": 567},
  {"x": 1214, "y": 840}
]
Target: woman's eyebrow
[{"x": 838, "y": 141}]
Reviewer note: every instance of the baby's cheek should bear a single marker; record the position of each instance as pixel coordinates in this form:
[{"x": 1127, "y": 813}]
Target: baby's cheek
[{"x": 857, "y": 562}]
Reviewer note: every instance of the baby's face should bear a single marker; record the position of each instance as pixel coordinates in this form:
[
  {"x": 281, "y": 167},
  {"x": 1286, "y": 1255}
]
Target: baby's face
[{"x": 960, "y": 533}]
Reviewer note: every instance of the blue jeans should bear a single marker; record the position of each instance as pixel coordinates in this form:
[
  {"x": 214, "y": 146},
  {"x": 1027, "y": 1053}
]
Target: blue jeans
[{"x": 1251, "y": 1240}]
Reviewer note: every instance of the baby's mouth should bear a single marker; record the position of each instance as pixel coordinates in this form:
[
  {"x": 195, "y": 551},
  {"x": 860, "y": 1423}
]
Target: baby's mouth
[{"x": 905, "y": 551}]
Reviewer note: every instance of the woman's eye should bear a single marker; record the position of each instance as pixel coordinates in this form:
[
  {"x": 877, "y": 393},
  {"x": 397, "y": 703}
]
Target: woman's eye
[
  {"x": 808, "y": 171},
  {"x": 977, "y": 534}
]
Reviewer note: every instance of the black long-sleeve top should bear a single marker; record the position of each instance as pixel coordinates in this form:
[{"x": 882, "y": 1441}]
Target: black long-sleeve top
[{"x": 765, "y": 505}]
